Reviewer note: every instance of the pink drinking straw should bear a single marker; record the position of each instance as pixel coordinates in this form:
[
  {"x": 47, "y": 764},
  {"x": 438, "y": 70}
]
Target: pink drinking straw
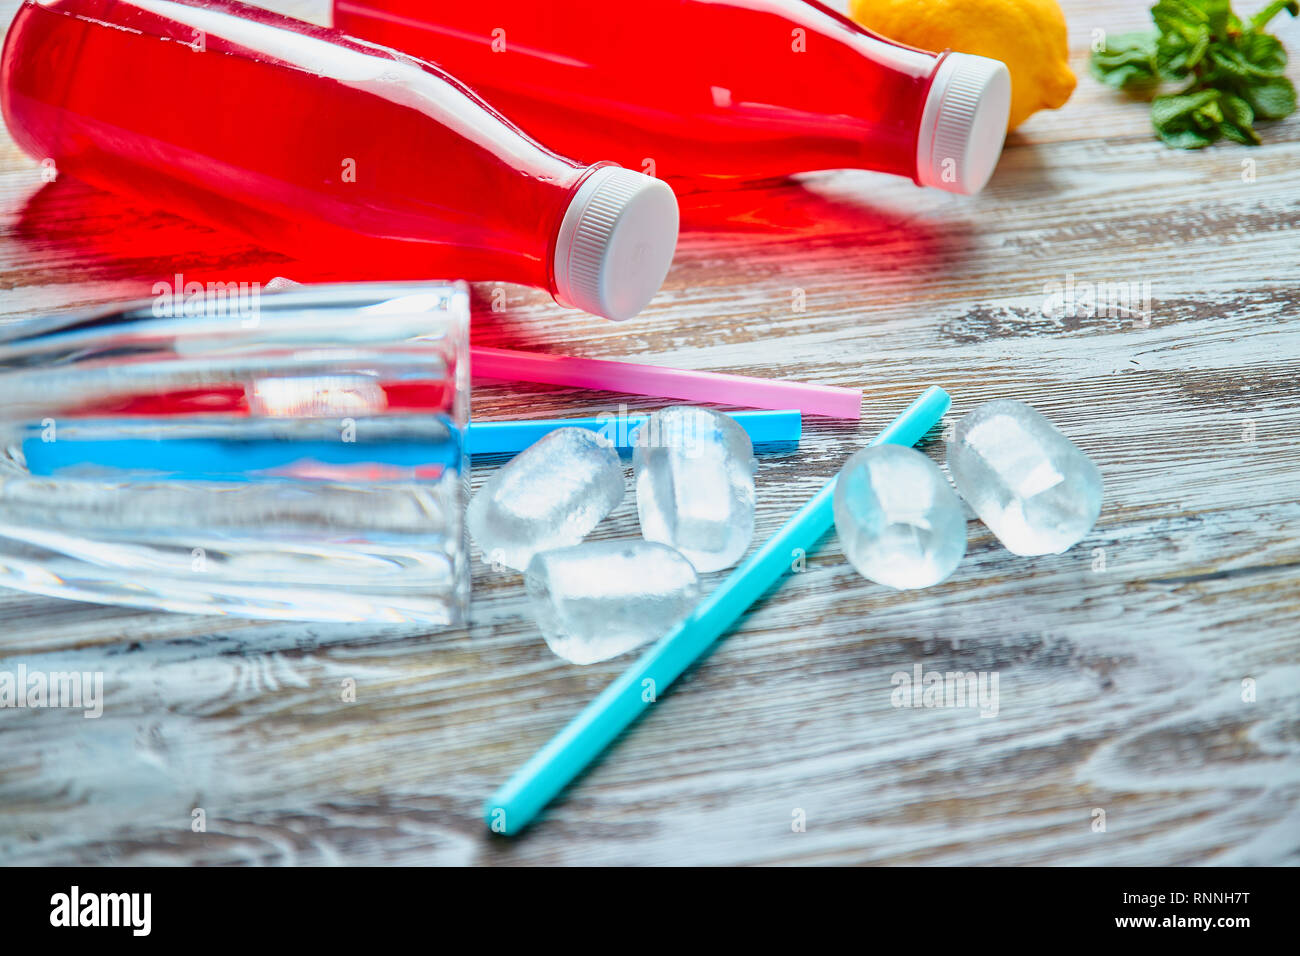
[{"x": 716, "y": 387}]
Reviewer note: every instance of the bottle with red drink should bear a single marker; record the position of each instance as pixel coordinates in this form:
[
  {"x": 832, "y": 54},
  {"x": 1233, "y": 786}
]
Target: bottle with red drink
[
  {"x": 695, "y": 90},
  {"x": 325, "y": 148}
]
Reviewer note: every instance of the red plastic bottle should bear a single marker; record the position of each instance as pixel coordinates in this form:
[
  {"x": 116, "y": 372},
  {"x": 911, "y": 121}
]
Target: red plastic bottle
[
  {"x": 325, "y": 148},
  {"x": 693, "y": 89}
]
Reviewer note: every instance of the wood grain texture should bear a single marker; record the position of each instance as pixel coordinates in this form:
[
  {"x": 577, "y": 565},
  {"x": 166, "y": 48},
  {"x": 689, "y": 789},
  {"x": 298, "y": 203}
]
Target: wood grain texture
[{"x": 1120, "y": 688}]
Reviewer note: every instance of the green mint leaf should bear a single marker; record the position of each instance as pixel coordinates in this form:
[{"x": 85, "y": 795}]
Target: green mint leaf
[
  {"x": 1126, "y": 61},
  {"x": 1179, "y": 106},
  {"x": 1232, "y": 71},
  {"x": 1125, "y": 77},
  {"x": 1273, "y": 99},
  {"x": 1263, "y": 51},
  {"x": 1183, "y": 137},
  {"x": 1178, "y": 17},
  {"x": 1141, "y": 43},
  {"x": 1232, "y": 61},
  {"x": 1236, "y": 110},
  {"x": 1261, "y": 19},
  {"x": 1176, "y": 56},
  {"x": 1191, "y": 120},
  {"x": 1219, "y": 17},
  {"x": 1244, "y": 135},
  {"x": 1208, "y": 116},
  {"x": 1238, "y": 120},
  {"x": 1227, "y": 62},
  {"x": 1217, "y": 14}
]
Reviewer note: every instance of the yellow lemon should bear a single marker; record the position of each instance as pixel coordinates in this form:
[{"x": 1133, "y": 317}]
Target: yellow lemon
[{"x": 1027, "y": 35}]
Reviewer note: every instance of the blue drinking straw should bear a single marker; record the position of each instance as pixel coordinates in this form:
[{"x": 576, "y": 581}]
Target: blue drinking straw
[
  {"x": 490, "y": 438},
  {"x": 569, "y": 752},
  {"x": 210, "y": 459},
  {"x": 233, "y": 460}
]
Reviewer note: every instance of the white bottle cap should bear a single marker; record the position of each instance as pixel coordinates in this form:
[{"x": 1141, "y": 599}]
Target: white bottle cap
[
  {"x": 964, "y": 123},
  {"x": 616, "y": 243}
]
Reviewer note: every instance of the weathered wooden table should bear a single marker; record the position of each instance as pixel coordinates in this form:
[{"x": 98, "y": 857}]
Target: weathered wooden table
[{"x": 1124, "y": 732}]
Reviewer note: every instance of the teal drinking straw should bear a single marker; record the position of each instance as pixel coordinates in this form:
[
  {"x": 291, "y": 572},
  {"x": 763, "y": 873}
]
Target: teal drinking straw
[{"x": 569, "y": 752}]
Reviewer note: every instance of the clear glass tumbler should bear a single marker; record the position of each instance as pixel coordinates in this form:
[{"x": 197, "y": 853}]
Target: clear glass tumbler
[{"x": 296, "y": 455}]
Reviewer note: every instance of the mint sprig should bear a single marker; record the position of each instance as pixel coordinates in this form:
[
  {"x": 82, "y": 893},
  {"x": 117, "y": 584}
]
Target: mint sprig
[{"x": 1232, "y": 70}]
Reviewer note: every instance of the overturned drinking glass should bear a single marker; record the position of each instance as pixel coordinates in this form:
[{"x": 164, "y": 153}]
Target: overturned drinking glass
[{"x": 297, "y": 455}]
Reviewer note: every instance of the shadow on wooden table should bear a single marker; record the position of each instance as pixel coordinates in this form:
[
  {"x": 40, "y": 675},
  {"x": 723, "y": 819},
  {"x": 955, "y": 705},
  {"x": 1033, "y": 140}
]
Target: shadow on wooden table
[
  {"x": 75, "y": 233},
  {"x": 111, "y": 237}
]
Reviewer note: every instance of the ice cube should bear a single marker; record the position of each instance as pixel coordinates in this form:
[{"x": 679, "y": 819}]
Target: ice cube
[
  {"x": 694, "y": 473},
  {"x": 900, "y": 523},
  {"x": 602, "y": 598},
  {"x": 1030, "y": 484},
  {"x": 548, "y": 496}
]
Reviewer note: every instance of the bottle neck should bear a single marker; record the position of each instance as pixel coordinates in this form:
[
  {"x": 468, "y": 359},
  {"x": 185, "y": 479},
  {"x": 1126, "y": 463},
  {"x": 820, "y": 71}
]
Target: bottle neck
[
  {"x": 872, "y": 95},
  {"x": 938, "y": 119},
  {"x": 795, "y": 87}
]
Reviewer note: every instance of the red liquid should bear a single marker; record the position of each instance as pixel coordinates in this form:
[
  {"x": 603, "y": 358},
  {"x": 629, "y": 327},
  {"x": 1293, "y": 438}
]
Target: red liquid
[
  {"x": 309, "y": 142},
  {"x": 679, "y": 89}
]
